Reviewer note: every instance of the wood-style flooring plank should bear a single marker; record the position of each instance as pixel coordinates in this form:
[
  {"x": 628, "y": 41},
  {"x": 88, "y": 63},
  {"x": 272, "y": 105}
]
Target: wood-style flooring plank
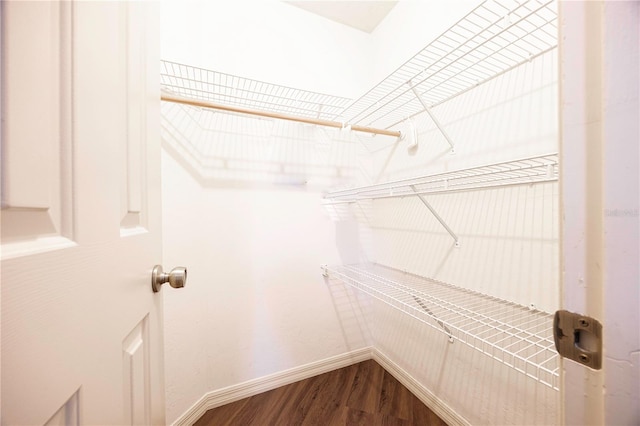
[
  {"x": 285, "y": 410},
  {"x": 395, "y": 399},
  {"x": 365, "y": 388},
  {"x": 253, "y": 411},
  {"x": 325, "y": 406},
  {"x": 222, "y": 415},
  {"x": 353, "y": 417},
  {"x": 358, "y": 395},
  {"x": 422, "y": 415},
  {"x": 279, "y": 400}
]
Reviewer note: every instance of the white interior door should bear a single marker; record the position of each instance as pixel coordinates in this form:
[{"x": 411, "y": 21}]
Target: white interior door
[
  {"x": 600, "y": 106},
  {"x": 81, "y": 327}
]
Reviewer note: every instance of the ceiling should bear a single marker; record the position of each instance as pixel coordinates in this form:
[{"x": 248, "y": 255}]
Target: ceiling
[{"x": 361, "y": 15}]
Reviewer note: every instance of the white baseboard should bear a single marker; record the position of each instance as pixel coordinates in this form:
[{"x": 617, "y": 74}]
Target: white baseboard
[
  {"x": 435, "y": 404},
  {"x": 253, "y": 387}
]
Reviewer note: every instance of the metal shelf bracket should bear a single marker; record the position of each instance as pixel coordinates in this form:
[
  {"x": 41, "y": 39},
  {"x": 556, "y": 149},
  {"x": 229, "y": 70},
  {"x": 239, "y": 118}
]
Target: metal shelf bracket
[
  {"x": 433, "y": 117},
  {"x": 436, "y": 215}
]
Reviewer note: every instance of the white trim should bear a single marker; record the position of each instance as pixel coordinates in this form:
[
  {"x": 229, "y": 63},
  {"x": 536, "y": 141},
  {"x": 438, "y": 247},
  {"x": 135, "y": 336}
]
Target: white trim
[
  {"x": 435, "y": 404},
  {"x": 249, "y": 388},
  {"x": 253, "y": 387},
  {"x": 37, "y": 246}
]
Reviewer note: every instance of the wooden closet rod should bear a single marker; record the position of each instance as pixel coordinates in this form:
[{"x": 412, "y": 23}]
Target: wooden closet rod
[{"x": 199, "y": 103}]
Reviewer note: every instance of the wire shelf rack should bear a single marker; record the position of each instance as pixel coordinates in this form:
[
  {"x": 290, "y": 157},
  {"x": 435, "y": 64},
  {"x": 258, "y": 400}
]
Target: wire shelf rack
[
  {"x": 512, "y": 334},
  {"x": 207, "y": 85},
  {"x": 495, "y": 37},
  {"x": 542, "y": 168}
]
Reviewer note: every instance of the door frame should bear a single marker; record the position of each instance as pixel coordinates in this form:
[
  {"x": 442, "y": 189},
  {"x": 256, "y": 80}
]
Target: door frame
[{"x": 599, "y": 191}]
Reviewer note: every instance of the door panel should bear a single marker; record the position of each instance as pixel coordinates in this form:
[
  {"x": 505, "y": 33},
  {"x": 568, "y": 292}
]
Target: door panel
[
  {"x": 36, "y": 178},
  {"x": 81, "y": 328},
  {"x": 136, "y": 374},
  {"x": 135, "y": 140}
]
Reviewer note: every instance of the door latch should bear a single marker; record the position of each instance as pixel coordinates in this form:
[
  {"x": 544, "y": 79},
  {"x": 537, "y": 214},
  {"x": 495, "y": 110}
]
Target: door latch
[{"x": 578, "y": 338}]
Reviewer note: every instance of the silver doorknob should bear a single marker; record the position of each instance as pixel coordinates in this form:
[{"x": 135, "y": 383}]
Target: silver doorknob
[{"x": 176, "y": 278}]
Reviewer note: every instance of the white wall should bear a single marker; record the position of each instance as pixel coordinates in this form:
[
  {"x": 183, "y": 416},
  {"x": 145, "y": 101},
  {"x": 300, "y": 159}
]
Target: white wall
[
  {"x": 266, "y": 40},
  {"x": 253, "y": 249},
  {"x": 508, "y": 240},
  {"x": 241, "y": 202},
  {"x": 255, "y": 302},
  {"x": 508, "y": 236},
  {"x": 242, "y": 210},
  {"x": 278, "y": 43},
  {"x": 409, "y": 27},
  {"x": 621, "y": 104}
]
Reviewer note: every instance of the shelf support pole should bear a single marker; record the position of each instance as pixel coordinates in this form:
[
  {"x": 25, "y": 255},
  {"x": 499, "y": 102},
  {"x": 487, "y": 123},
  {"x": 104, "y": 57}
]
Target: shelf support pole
[
  {"x": 433, "y": 117},
  {"x": 436, "y": 215}
]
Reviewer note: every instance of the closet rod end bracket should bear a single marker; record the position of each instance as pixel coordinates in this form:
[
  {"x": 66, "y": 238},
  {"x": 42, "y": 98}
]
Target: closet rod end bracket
[{"x": 325, "y": 271}]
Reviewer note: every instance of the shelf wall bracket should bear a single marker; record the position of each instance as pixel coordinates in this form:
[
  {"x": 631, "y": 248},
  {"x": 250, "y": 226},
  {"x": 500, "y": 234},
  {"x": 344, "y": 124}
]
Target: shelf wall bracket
[
  {"x": 433, "y": 117},
  {"x": 436, "y": 215}
]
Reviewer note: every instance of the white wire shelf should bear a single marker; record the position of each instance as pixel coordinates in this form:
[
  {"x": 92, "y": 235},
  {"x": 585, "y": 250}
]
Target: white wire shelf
[
  {"x": 217, "y": 87},
  {"x": 537, "y": 169},
  {"x": 512, "y": 334},
  {"x": 495, "y": 37}
]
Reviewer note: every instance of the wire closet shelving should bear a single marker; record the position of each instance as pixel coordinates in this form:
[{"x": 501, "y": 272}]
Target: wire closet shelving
[
  {"x": 512, "y": 334},
  {"x": 495, "y": 37},
  {"x": 227, "y": 89},
  {"x": 492, "y": 39},
  {"x": 202, "y": 88},
  {"x": 530, "y": 170}
]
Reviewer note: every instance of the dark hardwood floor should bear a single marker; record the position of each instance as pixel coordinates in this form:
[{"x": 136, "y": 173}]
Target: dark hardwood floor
[{"x": 361, "y": 394}]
